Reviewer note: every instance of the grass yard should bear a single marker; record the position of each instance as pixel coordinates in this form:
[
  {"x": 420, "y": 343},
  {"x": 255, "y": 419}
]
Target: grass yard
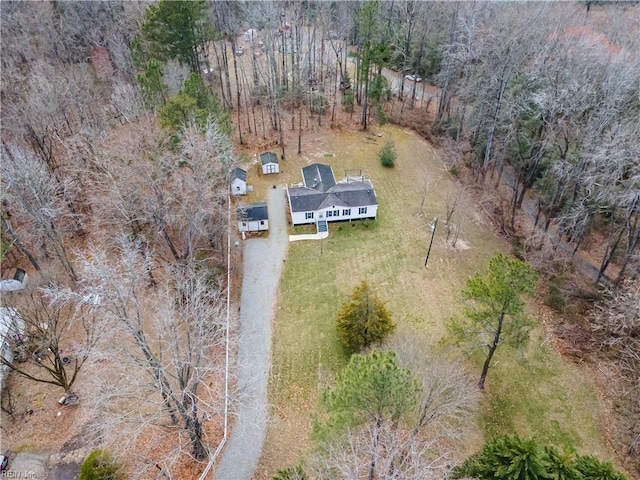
[
  {"x": 538, "y": 394},
  {"x": 533, "y": 392}
]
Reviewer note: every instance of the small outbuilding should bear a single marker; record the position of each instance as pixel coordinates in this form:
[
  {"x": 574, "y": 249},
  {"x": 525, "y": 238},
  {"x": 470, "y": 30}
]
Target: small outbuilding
[
  {"x": 250, "y": 35},
  {"x": 18, "y": 282},
  {"x": 12, "y": 331},
  {"x": 238, "y": 181},
  {"x": 253, "y": 217},
  {"x": 269, "y": 161}
]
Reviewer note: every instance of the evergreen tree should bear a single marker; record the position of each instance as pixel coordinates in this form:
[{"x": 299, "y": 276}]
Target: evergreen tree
[
  {"x": 178, "y": 30},
  {"x": 195, "y": 102},
  {"x": 151, "y": 83},
  {"x": 99, "y": 465},
  {"x": 496, "y": 312},
  {"x": 371, "y": 388},
  {"x": 512, "y": 458},
  {"x": 387, "y": 154},
  {"x": 364, "y": 320}
]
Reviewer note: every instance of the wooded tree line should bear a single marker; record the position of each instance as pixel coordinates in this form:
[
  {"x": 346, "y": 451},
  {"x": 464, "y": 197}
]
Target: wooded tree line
[
  {"x": 119, "y": 203},
  {"x": 540, "y": 96},
  {"x": 548, "y": 91},
  {"x": 531, "y": 88}
]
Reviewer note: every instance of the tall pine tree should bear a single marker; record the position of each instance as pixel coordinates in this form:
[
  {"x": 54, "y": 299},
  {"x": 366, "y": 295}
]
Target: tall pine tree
[{"x": 178, "y": 30}]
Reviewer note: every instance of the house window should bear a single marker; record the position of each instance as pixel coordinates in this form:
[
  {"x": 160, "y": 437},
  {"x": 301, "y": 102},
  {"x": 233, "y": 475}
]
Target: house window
[
  {"x": 271, "y": 168},
  {"x": 362, "y": 210},
  {"x": 336, "y": 213},
  {"x": 261, "y": 222},
  {"x": 244, "y": 224},
  {"x": 238, "y": 188},
  {"x": 308, "y": 216},
  {"x": 329, "y": 213},
  {"x": 346, "y": 212}
]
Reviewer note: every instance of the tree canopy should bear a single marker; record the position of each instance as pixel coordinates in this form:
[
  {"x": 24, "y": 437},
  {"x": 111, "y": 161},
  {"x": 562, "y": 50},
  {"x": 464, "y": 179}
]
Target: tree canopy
[
  {"x": 194, "y": 103},
  {"x": 387, "y": 154},
  {"x": 371, "y": 388},
  {"x": 514, "y": 458},
  {"x": 178, "y": 30}
]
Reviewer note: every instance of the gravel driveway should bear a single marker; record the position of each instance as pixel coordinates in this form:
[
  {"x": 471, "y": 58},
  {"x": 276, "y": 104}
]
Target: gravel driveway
[{"x": 263, "y": 259}]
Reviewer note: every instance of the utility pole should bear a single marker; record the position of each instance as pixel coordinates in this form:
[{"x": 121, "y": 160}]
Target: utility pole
[{"x": 433, "y": 233}]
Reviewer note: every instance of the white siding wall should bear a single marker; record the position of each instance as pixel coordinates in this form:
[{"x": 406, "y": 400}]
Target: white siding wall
[
  {"x": 253, "y": 226},
  {"x": 299, "y": 218},
  {"x": 270, "y": 168},
  {"x": 238, "y": 187}
]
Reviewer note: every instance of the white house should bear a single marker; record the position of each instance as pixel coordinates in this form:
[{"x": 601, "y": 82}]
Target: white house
[
  {"x": 238, "y": 182},
  {"x": 321, "y": 198},
  {"x": 253, "y": 217},
  {"x": 269, "y": 161}
]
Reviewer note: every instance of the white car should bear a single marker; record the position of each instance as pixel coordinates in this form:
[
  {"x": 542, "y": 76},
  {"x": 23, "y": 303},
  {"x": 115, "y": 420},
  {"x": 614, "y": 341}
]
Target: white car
[{"x": 413, "y": 78}]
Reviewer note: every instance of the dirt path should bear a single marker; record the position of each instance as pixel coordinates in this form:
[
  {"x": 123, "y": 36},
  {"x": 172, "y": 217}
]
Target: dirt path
[{"x": 263, "y": 259}]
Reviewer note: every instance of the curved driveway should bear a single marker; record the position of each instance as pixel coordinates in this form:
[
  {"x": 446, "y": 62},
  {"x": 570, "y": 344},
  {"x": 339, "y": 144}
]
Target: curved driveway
[{"x": 262, "y": 265}]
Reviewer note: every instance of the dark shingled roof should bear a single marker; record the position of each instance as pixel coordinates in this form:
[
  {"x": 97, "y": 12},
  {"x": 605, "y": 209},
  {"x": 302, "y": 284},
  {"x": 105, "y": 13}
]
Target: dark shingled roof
[
  {"x": 319, "y": 177},
  {"x": 268, "y": 157},
  {"x": 350, "y": 194},
  {"x": 252, "y": 212},
  {"x": 238, "y": 173}
]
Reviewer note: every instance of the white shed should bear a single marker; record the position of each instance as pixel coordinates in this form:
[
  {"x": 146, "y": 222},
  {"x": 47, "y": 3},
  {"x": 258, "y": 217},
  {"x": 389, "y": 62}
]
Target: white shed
[
  {"x": 250, "y": 35},
  {"x": 238, "y": 181},
  {"x": 269, "y": 161},
  {"x": 18, "y": 281},
  {"x": 253, "y": 217}
]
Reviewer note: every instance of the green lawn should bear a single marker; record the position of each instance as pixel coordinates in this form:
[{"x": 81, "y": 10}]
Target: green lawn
[
  {"x": 535, "y": 392},
  {"x": 538, "y": 394}
]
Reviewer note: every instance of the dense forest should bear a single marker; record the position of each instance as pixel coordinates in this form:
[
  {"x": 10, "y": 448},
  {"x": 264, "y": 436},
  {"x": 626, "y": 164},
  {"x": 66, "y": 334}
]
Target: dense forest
[{"x": 121, "y": 121}]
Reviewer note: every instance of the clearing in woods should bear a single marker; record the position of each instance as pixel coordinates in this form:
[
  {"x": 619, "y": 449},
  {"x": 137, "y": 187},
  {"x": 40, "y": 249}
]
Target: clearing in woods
[{"x": 534, "y": 392}]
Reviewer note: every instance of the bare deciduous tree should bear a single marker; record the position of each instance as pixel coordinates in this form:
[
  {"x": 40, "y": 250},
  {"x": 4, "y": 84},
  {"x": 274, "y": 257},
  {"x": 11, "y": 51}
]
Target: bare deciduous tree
[
  {"x": 57, "y": 341},
  {"x": 35, "y": 196},
  {"x": 448, "y": 397},
  {"x": 165, "y": 343},
  {"x": 399, "y": 453}
]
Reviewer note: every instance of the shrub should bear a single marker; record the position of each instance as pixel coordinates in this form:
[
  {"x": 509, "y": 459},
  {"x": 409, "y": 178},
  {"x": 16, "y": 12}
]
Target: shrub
[
  {"x": 514, "y": 458},
  {"x": 100, "y": 465},
  {"x": 555, "y": 297},
  {"x": 347, "y": 102},
  {"x": 387, "y": 154},
  {"x": 292, "y": 473}
]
